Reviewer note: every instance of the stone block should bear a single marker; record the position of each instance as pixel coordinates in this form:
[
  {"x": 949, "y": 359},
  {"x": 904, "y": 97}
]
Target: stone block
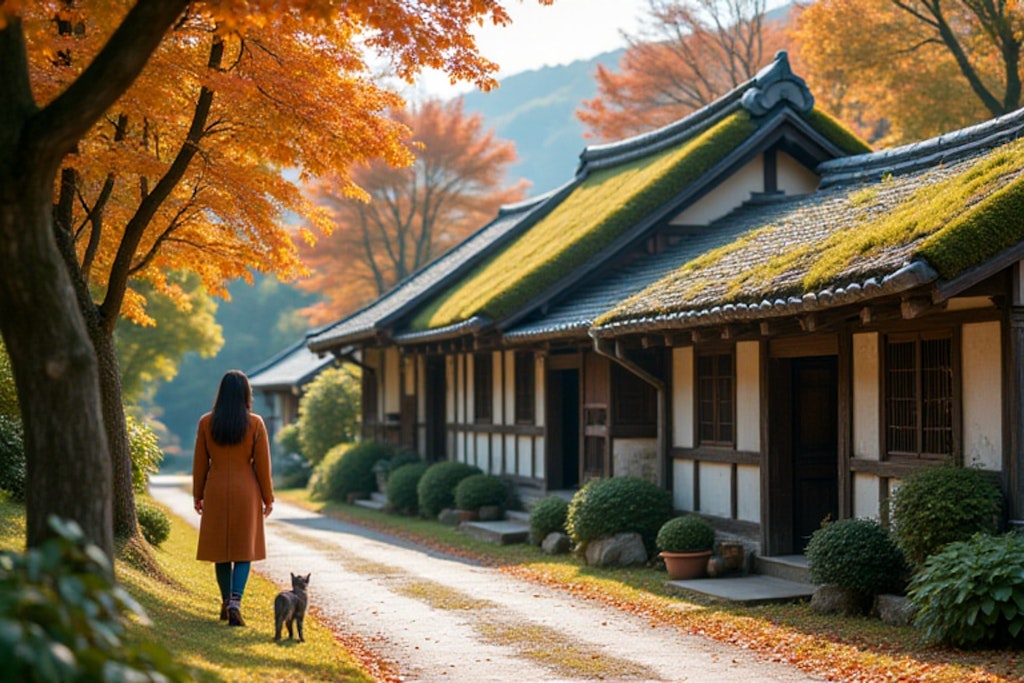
[
  {"x": 620, "y": 550},
  {"x": 556, "y": 543}
]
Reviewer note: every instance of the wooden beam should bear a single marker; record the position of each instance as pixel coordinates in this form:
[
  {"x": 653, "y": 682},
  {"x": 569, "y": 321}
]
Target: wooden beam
[
  {"x": 915, "y": 306},
  {"x": 809, "y": 322},
  {"x": 768, "y": 328},
  {"x": 865, "y": 315},
  {"x": 728, "y": 332}
]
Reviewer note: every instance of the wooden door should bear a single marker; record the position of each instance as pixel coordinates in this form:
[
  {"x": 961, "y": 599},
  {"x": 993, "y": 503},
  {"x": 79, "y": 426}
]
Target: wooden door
[
  {"x": 435, "y": 418},
  {"x": 563, "y": 429},
  {"x": 815, "y": 445}
]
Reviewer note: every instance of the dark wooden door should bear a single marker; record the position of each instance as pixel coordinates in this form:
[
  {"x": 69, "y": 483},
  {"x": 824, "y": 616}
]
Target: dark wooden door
[
  {"x": 435, "y": 417},
  {"x": 815, "y": 445},
  {"x": 563, "y": 429}
]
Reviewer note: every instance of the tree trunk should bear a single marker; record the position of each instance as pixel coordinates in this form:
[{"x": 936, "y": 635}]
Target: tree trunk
[{"x": 55, "y": 368}]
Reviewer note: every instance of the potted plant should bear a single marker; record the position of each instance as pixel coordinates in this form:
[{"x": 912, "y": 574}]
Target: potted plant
[{"x": 685, "y": 544}]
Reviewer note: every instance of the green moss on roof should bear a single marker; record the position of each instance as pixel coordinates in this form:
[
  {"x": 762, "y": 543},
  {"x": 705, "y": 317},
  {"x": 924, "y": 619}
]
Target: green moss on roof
[
  {"x": 954, "y": 223},
  {"x": 604, "y": 206},
  {"x": 841, "y": 136}
]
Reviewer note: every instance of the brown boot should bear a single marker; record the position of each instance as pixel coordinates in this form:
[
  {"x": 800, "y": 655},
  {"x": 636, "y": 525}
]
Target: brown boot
[
  {"x": 224, "y": 610},
  {"x": 235, "y": 614}
]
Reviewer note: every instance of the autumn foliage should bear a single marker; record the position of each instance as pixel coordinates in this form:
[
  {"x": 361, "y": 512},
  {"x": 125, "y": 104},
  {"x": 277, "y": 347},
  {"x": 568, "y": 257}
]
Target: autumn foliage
[{"x": 409, "y": 215}]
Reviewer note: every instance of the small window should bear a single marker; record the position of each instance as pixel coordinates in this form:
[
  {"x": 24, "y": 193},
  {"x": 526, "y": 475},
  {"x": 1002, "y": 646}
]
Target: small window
[
  {"x": 919, "y": 396},
  {"x": 483, "y": 383},
  {"x": 525, "y": 388},
  {"x": 715, "y": 400}
]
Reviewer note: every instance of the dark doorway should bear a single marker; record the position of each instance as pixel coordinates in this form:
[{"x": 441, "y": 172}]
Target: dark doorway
[
  {"x": 435, "y": 417},
  {"x": 815, "y": 430},
  {"x": 563, "y": 429}
]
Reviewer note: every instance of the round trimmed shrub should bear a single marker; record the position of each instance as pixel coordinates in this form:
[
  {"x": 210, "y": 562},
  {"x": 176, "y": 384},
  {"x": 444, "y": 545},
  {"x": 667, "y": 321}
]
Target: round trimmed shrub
[
  {"x": 387, "y": 466},
  {"x": 940, "y": 505},
  {"x": 686, "y": 534},
  {"x": 402, "y": 483},
  {"x": 479, "y": 490},
  {"x": 144, "y": 448},
  {"x": 436, "y": 489},
  {"x": 605, "y": 507},
  {"x": 856, "y": 554},
  {"x": 154, "y": 522},
  {"x": 972, "y": 592},
  {"x": 548, "y": 516},
  {"x": 348, "y": 469},
  {"x": 12, "y": 458}
]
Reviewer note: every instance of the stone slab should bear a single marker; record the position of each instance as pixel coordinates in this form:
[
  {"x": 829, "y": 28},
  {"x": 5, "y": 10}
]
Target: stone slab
[
  {"x": 754, "y": 589},
  {"x": 504, "y": 532}
]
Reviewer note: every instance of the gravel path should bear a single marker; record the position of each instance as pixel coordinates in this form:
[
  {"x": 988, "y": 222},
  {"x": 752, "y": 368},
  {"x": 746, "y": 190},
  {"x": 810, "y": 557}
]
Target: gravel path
[{"x": 437, "y": 618}]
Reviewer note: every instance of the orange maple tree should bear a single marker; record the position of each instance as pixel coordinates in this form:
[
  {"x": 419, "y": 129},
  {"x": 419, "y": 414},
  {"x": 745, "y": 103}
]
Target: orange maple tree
[
  {"x": 139, "y": 138},
  {"x": 903, "y": 70},
  {"x": 409, "y": 215},
  {"x": 690, "y": 53}
]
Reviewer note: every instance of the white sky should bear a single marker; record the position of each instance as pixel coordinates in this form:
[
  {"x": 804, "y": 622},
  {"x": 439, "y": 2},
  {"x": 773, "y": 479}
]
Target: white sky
[{"x": 549, "y": 35}]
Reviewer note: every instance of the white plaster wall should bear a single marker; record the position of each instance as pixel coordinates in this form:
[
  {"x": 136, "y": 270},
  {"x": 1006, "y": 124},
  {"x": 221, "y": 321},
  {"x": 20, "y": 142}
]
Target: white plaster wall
[
  {"x": 524, "y": 465},
  {"x": 726, "y": 196},
  {"x": 748, "y": 396},
  {"x": 982, "y": 395},
  {"x": 866, "y": 503},
  {"x": 409, "y": 375},
  {"x": 460, "y": 447},
  {"x": 483, "y": 453},
  {"x": 682, "y": 485},
  {"x": 539, "y": 460},
  {"x": 716, "y": 489},
  {"x": 392, "y": 376},
  {"x": 748, "y": 492},
  {"x": 635, "y": 458},
  {"x": 540, "y": 387},
  {"x": 466, "y": 387},
  {"x": 866, "y": 396},
  {"x": 794, "y": 177},
  {"x": 682, "y": 398},
  {"x": 509, "y": 390},
  {"x": 497, "y": 388},
  {"x": 509, "y": 444}
]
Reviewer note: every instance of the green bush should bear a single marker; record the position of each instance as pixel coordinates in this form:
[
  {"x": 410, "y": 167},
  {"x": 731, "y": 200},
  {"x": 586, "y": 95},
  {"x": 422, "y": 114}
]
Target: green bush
[
  {"x": 940, "y": 505},
  {"x": 288, "y": 439},
  {"x": 292, "y": 471},
  {"x": 154, "y": 522},
  {"x": 858, "y": 554},
  {"x": 686, "y": 534},
  {"x": 479, "y": 490},
  {"x": 146, "y": 455},
  {"x": 548, "y": 516},
  {"x": 12, "y": 458},
  {"x": 329, "y": 412},
  {"x": 349, "y": 471},
  {"x": 388, "y": 465},
  {"x": 605, "y": 507},
  {"x": 63, "y": 617},
  {"x": 436, "y": 489},
  {"x": 972, "y": 592},
  {"x": 402, "y": 483}
]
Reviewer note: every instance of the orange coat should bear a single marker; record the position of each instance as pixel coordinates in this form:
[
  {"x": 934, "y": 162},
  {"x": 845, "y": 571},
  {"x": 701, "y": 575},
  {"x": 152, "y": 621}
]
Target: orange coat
[{"x": 233, "y": 483}]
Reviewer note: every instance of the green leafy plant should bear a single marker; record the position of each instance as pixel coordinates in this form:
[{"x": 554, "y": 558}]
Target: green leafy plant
[
  {"x": 605, "y": 507},
  {"x": 686, "y": 534},
  {"x": 349, "y": 471},
  {"x": 288, "y": 439},
  {"x": 329, "y": 412},
  {"x": 857, "y": 554},
  {"x": 402, "y": 483},
  {"x": 12, "y": 457},
  {"x": 153, "y": 522},
  {"x": 548, "y": 516},
  {"x": 292, "y": 471},
  {"x": 146, "y": 455},
  {"x": 436, "y": 488},
  {"x": 479, "y": 490},
  {"x": 63, "y": 618},
  {"x": 972, "y": 592},
  {"x": 939, "y": 505}
]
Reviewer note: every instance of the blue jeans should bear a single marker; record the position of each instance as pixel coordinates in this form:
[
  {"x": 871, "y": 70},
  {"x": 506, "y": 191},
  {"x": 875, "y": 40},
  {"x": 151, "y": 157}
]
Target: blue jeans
[{"x": 232, "y": 580}]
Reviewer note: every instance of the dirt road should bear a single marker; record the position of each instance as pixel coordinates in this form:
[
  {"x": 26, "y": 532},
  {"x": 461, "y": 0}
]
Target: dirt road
[{"x": 438, "y": 618}]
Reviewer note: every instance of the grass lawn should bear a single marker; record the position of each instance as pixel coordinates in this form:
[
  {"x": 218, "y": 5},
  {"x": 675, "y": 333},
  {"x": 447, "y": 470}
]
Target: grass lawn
[
  {"x": 839, "y": 648},
  {"x": 185, "y": 618}
]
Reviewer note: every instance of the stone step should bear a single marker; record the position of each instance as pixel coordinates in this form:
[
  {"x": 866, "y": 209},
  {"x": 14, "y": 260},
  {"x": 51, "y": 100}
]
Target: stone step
[
  {"x": 505, "y": 532},
  {"x": 752, "y": 589},
  {"x": 376, "y": 501},
  {"x": 519, "y": 516},
  {"x": 788, "y": 567}
]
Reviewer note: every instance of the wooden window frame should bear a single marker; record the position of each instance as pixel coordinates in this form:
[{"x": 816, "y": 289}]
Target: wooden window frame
[
  {"x": 525, "y": 388},
  {"x": 920, "y": 396},
  {"x": 716, "y": 399},
  {"x": 483, "y": 388}
]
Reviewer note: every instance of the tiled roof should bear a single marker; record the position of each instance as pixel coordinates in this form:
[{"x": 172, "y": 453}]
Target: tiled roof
[
  {"x": 365, "y": 322},
  {"x": 890, "y": 232},
  {"x": 292, "y": 367}
]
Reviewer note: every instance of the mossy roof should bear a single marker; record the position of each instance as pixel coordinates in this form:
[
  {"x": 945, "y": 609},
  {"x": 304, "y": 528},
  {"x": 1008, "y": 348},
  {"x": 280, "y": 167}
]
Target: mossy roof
[{"x": 951, "y": 218}]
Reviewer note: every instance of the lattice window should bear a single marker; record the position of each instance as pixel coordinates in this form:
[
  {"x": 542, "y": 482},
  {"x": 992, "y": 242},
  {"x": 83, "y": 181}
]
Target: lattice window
[
  {"x": 525, "y": 388},
  {"x": 483, "y": 387},
  {"x": 919, "y": 396},
  {"x": 716, "y": 399}
]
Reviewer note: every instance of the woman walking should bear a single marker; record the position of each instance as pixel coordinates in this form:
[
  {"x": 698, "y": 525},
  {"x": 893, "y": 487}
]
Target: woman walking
[{"x": 232, "y": 490}]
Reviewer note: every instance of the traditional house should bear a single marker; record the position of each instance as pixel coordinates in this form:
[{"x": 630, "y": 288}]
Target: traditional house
[{"x": 744, "y": 306}]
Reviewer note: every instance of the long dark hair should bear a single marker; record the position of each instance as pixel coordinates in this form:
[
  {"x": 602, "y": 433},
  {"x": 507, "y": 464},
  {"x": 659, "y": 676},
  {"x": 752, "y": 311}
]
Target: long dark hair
[{"x": 231, "y": 410}]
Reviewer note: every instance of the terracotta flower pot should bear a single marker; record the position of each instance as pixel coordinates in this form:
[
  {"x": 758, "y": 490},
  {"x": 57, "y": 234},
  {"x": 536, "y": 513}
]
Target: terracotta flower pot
[{"x": 681, "y": 566}]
